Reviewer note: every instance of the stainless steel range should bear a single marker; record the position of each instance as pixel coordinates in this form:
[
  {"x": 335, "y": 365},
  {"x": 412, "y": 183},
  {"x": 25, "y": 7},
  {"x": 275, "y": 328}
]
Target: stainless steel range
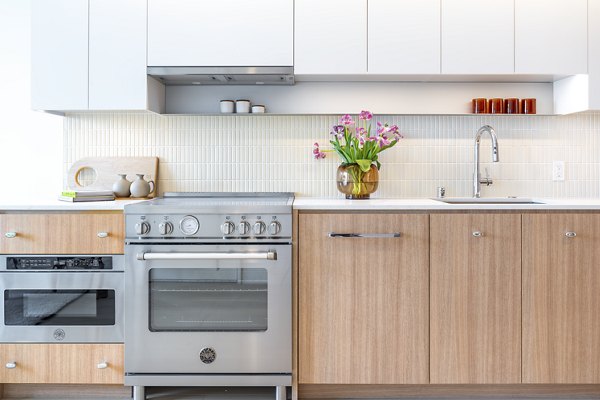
[{"x": 208, "y": 291}]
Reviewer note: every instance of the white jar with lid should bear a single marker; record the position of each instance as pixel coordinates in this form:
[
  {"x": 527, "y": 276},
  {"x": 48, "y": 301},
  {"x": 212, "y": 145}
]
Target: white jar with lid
[
  {"x": 242, "y": 106},
  {"x": 258, "y": 109},
  {"x": 227, "y": 106}
]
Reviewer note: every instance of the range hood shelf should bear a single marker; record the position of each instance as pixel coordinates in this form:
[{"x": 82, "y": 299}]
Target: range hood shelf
[{"x": 179, "y": 76}]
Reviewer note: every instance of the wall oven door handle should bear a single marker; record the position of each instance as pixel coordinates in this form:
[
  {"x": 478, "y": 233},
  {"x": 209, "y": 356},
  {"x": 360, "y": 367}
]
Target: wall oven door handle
[
  {"x": 364, "y": 235},
  {"x": 269, "y": 255}
]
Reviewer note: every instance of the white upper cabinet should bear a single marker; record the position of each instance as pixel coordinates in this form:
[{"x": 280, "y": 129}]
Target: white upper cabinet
[
  {"x": 220, "y": 33},
  {"x": 551, "y": 37},
  {"x": 594, "y": 53},
  {"x": 404, "y": 36},
  {"x": 478, "y": 36},
  {"x": 117, "y": 38},
  {"x": 330, "y": 37},
  {"x": 59, "y": 54}
]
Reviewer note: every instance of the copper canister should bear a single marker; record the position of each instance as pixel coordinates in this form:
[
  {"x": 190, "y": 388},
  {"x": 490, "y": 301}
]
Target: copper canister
[
  {"x": 528, "y": 106},
  {"x": 511, "y": 105},
  {"x": 496, "y": 106},
  {"x": 479, "y": 106}
]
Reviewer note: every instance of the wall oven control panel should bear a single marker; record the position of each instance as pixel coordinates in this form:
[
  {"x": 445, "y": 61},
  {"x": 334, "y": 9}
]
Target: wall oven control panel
[
  {"x": 61, "y": 263},
  {"x": 51, "y": 263}
]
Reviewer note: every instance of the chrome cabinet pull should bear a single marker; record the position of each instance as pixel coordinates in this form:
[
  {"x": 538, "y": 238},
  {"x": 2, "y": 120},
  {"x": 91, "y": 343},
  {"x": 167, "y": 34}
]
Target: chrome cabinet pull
[
  {"x": 571, "y": 234},
  {"x": 10, "y": 235},
  {"x": 364, "y": 235},
  {"x": 102, "y": 235},
  {"x": 11, "y": 365},
  {"x": 270, "y": 255},
  {"x": 477, "y": 234},
  {"x": 102, "y": 365}
]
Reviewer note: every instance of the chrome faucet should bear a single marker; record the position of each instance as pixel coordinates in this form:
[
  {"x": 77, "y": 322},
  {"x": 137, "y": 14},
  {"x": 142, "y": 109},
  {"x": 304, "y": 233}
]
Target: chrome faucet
[{"x": 477, "y": 181}]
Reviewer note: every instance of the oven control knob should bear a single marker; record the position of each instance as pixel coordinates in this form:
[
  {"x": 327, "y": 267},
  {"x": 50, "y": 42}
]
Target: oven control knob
[
  {"x": 259, "y": 228},
  {"x": 227, "y": 228},
  {"x": 274, "y": 228},
  {"x": 142, "y": 228},
  {"x": 165, "y": 228},
  {"x": 244, "y": 228}
]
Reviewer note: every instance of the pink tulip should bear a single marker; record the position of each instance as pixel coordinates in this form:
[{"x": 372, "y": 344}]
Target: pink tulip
[
  {"x": 365, "y": 115},
  {"x": 346, "y": 120}
]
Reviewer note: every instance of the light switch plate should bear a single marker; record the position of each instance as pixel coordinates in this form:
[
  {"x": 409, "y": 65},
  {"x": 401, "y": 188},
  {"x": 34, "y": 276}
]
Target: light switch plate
[{"x": 558, "y": 171}]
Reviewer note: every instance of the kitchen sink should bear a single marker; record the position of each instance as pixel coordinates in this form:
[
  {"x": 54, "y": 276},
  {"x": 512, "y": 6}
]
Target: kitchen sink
[{"x": 488, "y": 200}]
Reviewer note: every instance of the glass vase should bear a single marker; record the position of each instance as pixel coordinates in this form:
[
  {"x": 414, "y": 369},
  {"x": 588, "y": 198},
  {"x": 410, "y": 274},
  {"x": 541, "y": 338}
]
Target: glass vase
[{"x": 355, "y": 183}]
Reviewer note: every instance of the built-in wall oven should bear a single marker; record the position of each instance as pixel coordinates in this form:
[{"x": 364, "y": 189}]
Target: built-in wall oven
[
  {"x": 61, "y": 298},
  {"x": 208, "y": 292}
]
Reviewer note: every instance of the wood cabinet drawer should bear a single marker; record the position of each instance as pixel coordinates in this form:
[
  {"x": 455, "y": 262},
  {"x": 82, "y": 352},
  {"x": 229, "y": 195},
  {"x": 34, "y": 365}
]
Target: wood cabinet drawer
[
  {"x": 62, "y": 363},
  {"x": 62, "y": 233}
]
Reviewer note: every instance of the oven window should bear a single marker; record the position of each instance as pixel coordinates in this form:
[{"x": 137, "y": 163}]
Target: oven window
[
  {"x": 59, "y": 307},
  {"x": 219, "y": 299}
]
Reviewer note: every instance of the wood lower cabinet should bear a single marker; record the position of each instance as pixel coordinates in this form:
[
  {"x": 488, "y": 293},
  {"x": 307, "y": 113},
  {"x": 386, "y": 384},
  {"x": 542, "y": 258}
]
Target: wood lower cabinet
[
  {"x": 363, "y": 302},
  {"x": 475, "y": 289},
  {"x": 62, "y": 363},
  {"x": 62, "y": 233},
  {"x": 561, "y": 298}
]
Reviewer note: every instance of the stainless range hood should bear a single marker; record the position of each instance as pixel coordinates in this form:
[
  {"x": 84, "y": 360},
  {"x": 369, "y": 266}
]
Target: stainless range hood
[{"x": 173, "y": 76}]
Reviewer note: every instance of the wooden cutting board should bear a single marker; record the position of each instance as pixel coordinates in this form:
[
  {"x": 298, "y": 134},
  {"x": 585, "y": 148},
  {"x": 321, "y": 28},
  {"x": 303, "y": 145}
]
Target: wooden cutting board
[{"x": 107, "y": 169}]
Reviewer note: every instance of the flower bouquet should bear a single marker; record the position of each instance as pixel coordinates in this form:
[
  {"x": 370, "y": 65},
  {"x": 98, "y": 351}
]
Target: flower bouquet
[{"x": 359, "y": 148}]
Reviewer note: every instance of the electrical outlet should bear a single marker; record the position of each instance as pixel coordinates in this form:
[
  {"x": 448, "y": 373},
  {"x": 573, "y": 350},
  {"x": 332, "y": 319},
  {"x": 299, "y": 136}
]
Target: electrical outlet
[{"x": 558, "y": 171}]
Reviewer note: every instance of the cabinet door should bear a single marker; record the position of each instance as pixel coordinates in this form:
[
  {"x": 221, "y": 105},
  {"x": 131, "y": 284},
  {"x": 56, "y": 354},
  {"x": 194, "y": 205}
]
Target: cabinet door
[
  {"x": 62, "y": 363},
  {"x": 330, "y": 37},
  {"x": 220, "y": 33},
  {"x": 478, "y": 36},
  {"x": 551, "y": 36},
  {"x": 475, "y": 298},
  {"x": 561, "y": 298},
  {"x": 72, "y": 233},
  {"x": 59, "y": 54},
  {"x": 594, "y": 53},
  {"x": 404, "y": 37},
  {"x": 363, "y": 302},
  {"x": 117, "y": 72}
]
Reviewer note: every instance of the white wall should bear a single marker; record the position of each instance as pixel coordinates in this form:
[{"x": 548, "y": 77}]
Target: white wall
[{"x": 30, "y": 142}]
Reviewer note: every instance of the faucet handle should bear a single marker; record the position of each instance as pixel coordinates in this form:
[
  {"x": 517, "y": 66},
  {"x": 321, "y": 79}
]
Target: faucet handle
[{"x": 487, "y": 180}]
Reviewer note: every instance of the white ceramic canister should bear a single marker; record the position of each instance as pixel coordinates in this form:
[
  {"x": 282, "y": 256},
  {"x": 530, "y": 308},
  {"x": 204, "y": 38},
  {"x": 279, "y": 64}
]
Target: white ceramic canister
[
  {"x": 258, "y": 109},
  {"x": 242, "y": 106},
  {"x": 227, "y": 106}
]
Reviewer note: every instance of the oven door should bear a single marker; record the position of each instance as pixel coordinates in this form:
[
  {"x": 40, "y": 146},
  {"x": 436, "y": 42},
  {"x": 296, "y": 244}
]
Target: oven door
[
  {"x": 61, "y": 307},
  {"x": 208, "y": 309}
]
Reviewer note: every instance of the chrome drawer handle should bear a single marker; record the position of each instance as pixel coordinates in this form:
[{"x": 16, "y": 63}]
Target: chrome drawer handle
[
  {"x": 11, "y": 365},
  {"x": 102, "y": 235},
  {"x": 477, "y": 234},
  {"x": 364, "y": 235},
  {"x": 102, "y": 365},
  {"x": 10, "y": 235},
  {"x": 571, "y": 234},
  {"x": 270, "y": 255}
]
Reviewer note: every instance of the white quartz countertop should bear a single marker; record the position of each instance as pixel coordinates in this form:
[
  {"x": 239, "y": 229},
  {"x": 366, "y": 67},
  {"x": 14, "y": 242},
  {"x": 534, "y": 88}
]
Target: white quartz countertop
[
  {"x": 315, "y": 203},
  {"x": 340, "y": 204},
  {"x": 53, "y": 204}
]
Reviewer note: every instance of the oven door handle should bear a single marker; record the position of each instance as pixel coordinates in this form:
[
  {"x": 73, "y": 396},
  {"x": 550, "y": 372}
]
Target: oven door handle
[{"x": 269, "y": 255}]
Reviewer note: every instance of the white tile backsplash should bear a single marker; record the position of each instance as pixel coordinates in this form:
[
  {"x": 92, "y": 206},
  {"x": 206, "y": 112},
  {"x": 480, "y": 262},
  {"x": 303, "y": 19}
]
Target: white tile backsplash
[{"x": 274, "y": 153}]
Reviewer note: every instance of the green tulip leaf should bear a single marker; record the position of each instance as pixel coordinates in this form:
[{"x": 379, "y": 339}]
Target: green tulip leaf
[{"x": 365, "y": 165}]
